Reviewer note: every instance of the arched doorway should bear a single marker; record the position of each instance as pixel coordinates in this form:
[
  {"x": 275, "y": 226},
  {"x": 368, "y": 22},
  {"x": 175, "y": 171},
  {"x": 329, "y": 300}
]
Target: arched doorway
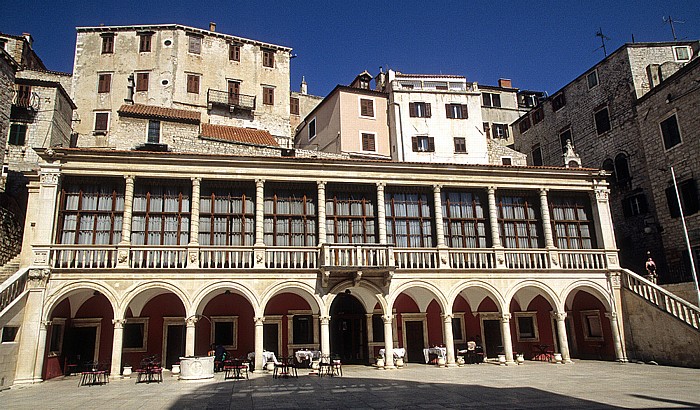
[{"x": 348, "y": 329}]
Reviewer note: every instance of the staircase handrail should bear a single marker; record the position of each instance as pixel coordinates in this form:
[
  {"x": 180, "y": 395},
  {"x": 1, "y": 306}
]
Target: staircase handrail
[{"x": 5, "y": 297}]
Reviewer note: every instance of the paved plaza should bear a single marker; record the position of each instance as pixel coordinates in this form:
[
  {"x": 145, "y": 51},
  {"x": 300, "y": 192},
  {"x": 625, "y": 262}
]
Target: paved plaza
[{"x": 534, "y": 385}]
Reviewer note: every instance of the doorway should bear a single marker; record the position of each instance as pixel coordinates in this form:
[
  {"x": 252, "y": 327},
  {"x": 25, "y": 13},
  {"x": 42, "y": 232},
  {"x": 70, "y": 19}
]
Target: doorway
[
  {"x": 415, "y": 340},
  {"x": 492, "y": 337},
  {"x": 271, "y": 338},
  {"x": 348, "y": 329},
  {"x": 80, "y": 345},
  {"x": 174, "y": 343}
]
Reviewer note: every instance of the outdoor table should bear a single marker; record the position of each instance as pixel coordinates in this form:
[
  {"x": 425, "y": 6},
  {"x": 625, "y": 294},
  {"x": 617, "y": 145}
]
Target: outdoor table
[
  {"x": 309, "y": 355},
  {"x": 439, "y": 351},
  {"x": 267, "y": 357},
  {"x": 399, "y": 352}
]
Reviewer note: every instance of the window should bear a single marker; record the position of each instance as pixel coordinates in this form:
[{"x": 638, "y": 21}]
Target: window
[
  {"x": 524, "y": 124},
  {"x": 409, "y": 219},
  {"x": 456, "y": 111},
  {"x": 602, "y": 120},
  {"x": 526, "y": 326},
  {"x": 419, "y": 109},
  {"x": 193, "y": 83},
  {"x": 161, "y": 214},
  {"x": 635, "y": 205},
  {"x": 145, "y": 42},
  {"x": 290, "y": 216},
  {"x": 537, "y": 116},
  {"x": 141, "y": 81},
  {"x": 268, "y": 96},
  {"x": 487, "y": 130},
  {"x": 18, "y": 134},
  {"x": 536, "y": 155},
  {"x": 135, "y": 337},
  {"x": 101, "y": 121},
  {"x": 423, "y": 143},
  {"x": 104, "y": 82},
  {"x": 91, "y": 212},
  {"x": 571, "y": 222},
  {"x": 9, "y": 334},
  {"x": 592, "y": 328},
  {"x": 670, "y": 132},
  {"x": 153, "y": 131},
  {"x": 368, "y": 143},
  {"x": 194, "y": 44},
  {"x": 506, "y": 160},
  {"x": 350, "y": 217},
  {"x": 234, "y": 92},
  {"x": 682, "y": 53},
  {"x": 312, "y": 129},
  {"x": 366, "y": 107},
  {"x": 268, "y": 57},
  {"x": 558, "y": 102},
  {"x": 234, "y": 52},
  {"x": 303, "y": 328},
  {"x": 688, "y": 191},
  {"x": 108, "y": 43},
  {"x": 500, "y": 131},
  {"x": 491, "y": 99},
  {"x": 58, "y": 326},
  {"x": 224, "y": 331},
  {"x": 294, "y": 105},
  {"x": 24, "y": 95},
  {"x": 518, "y": 220},
  {"x": 463, "y": 219},
  {"x": 592, "y": 79},
  {"x": 565, "y": 136},
  {"x": 377, "y": 328},
  {"x": 457, "y": 328},
  {"x": 622, "y": 169},
  {"x": 609, "y": 166},
  {"x": 460, "y": 145},
  {"x": 227, "y": 215}
]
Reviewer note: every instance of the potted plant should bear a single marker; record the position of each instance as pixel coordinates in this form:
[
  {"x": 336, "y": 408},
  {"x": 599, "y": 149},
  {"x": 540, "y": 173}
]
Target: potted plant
[
  {"x": 460, "y": 361},
  {"x": 176, "y": 369},
  {"x": 380, "y": 361},
  {"x": 127, "y": 370}
]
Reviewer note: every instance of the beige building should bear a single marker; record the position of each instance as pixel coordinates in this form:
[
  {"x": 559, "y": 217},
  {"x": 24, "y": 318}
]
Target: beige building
[
  {"x": 301, "y": 103},
  {"x": 228, "y": 80},
  {"x": 501, "y": 106},
  {"x": 351, "y": 120}
]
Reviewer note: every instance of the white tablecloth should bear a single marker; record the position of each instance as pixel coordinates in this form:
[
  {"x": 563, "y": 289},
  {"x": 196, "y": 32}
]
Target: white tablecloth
[
  {"x": 399, "y": 352},
  {"x": 267, "y": 356},
  {"x": 440, "y": 351},
  {"x": 302, "y": 355}
]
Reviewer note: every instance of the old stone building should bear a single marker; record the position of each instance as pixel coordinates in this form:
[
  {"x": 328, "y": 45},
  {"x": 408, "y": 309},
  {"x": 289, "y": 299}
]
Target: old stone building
[
  {"x": 301, "y": 103},
  {"x": 501, "y": 106},
  {"x": 598, "y": 111},
  {"x": 228, "y": 80}
]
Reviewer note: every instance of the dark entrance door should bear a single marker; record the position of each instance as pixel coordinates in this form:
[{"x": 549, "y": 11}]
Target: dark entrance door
[
  {"x": 492, "y": 338},
  {"x": 80, "y": 345},
  {"x": 414, "y": 341},
  {"x": 271, "y": 338},
  {"x": 175, "y": 346},
  {"x": 348, "y": 329}
]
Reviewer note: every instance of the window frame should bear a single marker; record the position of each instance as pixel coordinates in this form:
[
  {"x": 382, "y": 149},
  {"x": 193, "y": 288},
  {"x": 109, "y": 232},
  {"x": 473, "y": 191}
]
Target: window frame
[
  {"x": 228, "y": 194},
  {"x": 366, "y": 200},
  {"x": 589, "y": 76},
  {"x": 234, "y": 52},
  {"x": 417, "y": 144},
  {"x": 533, "y": 223},
  {"x": 664, "y": 138},
  {"x": 142, "y": 80},
  {"x": 456, "y": 111},
  {"x": 423, "y": 201},
  {"x": 562, "y": 133},
  {"x": 366, "y": 107},
  {"x": 57, "y": 322},
  {"x": 492, "y": 100},
  {"x": 479, "y": 225},
  {"x": 688, "y": 50},
  {"x": 558, "y": 101},
  {"x": 268, "y": 57},
  {"x": 311, "y": 128},
  {"x": 104, "y": 83},
  {"x": 268, "y": 95},
  {"x": 496, "y": 126},
  {"x": 274, "y": 218},
  {"x": 294, "y": 105},
  {"x": 6, "y": 331},
  {"x": 145, "y": 42},
  {"x": 535, "y": 337},
  {"x": 419, "y": 109},
  {"x": 573, "y": 229},
  {"x": 104, "y": 130},
  {"x": 635, "y": 205},
  {"x": 194, "y": 43},
  {"x": 193, "y": 83},
  {"x": 143, "y": 191},
  {"x": 460, "y": 145},
  {"x": 364, "y": 141},
  {"x": 524, "y": 125},
  {"x": 143, "y": 321},
  {"x": 537, "y": 160},
  {"x": 107, "y": 43},
  {"x": 14, "y": 136},
  {"x": 152, "y": 127},
  {"x": 225, "y": 319},
  {"x": 608, "y": 120},
  {"x": 588, "y": 335}
]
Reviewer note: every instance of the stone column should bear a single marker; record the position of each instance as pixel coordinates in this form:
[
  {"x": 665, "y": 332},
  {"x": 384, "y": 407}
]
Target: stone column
[
  {"x": 493, "y": 218},
  {"x": 259, "y": 336},
  {"x": 259, "y": 223},
  {"x": 117, "y": 340},
  {"x": 388, "y": 342},
  {"x": 617, "y": 342},
  {"x": 30, "y": 353},
  {"x": 563, "y": 338},
  {"x": 604, "y": 226},
  {"x": 190, "y": 324},
  {"x": 546, "y": 220},
  {"x": 505, "y": 335},
  {"x": 321, "y": 212},
  {"x": 381, "y": 212},
  {"x": 193, "y": 250},
  {"x": 325, "y": 335},
  {"x": 40, "y": 353},
  {"x": 449, "y": 340},
  {"x": 123, "y": 253},
  {"x": 439, "y": 227}
]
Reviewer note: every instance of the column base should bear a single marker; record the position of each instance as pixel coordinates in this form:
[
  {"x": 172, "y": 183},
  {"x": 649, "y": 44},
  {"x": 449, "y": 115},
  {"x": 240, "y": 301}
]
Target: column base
[
  {"x": 511, "y": 363},
  {"x": 568, "y": 361},
  {"x": 390, "y": 367},
  {"x": 28, "y": 381},
  {"x": 451, "y": 365}
]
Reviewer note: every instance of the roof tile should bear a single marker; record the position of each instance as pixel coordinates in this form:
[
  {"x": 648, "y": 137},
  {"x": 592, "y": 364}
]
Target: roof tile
[
  {"x": 237, "y": 134},
  {"x": 150, "y": 111}
]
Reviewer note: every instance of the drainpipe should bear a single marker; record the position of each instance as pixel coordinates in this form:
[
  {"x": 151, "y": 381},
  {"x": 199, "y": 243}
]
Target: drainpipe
[{"x": 403, "y": 155}]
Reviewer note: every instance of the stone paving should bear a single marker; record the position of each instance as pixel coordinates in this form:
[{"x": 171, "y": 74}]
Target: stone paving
[{"x": 534, "y": 385}]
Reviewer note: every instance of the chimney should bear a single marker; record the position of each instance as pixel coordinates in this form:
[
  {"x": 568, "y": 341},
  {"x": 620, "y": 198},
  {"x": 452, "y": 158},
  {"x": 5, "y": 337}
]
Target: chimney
[
  {"x": 505, "y": 83},
  {"x": 29, "y": 38},
  {"x": 303, "y": 89},
  {"x": 212, "y": 26}
]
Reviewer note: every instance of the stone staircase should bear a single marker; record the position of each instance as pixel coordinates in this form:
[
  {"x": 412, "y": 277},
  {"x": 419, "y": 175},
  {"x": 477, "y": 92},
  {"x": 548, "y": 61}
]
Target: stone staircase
[{"x": 9, "y": 268}]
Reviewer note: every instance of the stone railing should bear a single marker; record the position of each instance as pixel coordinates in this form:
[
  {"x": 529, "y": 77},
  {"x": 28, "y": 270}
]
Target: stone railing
[
  {"x": 472, "y": 259},
  {"x": 79, "y": 256},
  {"x": 416, "y": 258},
  {"x": 527, "y": 258},
  {"x": 661, "y": 298},
  {"x": 12, "y": 288},
  {"x": 361, "y": 255},
  {"x": 217, "y": 257},
  {"x": 582, "y": 259},
  {"x": 291, "y": 257}
]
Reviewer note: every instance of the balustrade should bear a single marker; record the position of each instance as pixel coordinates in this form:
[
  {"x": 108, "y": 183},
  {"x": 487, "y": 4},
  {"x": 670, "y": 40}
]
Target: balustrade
[
  {"x": 472, "y": 259},
  {"x": 225, "y": 257},
  {"x": 527, "y": 258}
]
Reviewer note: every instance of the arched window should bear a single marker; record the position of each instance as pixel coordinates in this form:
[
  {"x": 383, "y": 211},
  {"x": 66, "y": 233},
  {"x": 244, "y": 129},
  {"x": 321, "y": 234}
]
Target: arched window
[
  {"x": 609, "y": 166},
  {"x": 622, "y": 170}
]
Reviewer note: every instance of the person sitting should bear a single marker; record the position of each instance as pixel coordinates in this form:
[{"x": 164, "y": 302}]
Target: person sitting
[{"x": 219, "y": 357}]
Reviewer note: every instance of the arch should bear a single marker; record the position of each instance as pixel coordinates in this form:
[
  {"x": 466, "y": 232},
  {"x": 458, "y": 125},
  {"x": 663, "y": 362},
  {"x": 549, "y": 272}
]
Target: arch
[
  {"x": 305, "y": 291},
  {"x": 148, "y": 290},
  {"x": 622, "y": 168},
  {"x": 74, "y": 287},
  {"x": 421, "y": 286},
  {"x": 366, "y": 292},
  {"x": 595, "y": 289},
  {"x": 547, "y": 293},
  {"x": 485, "y": 287},
  {"x": 205, "y": 295}
]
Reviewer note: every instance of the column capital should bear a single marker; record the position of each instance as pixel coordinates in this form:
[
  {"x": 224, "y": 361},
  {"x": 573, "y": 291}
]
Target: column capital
[
  {"x": 49, "y": 178},
  {"x": 191, "y": 321},
  {"x": 46, "y": 323},
  {"x": 259, "y": 182},
  {"x": 611, "y": 315},
  {"x": 259, "y": 320},
  {"x": 321, "y": 184},
  {"x": 388, "y": 319},
  {"x": 437, "y": 188},
  {"x": 118, "y": 323},
  {"x": 544, "y": 191},
  {"x": 129, "y": 178},
  {"x": 325, "y": 320},
  {"x": 601, "y": 193},
  {"x": 447, "y": 318},
  {"x": 560, "y": 316},
  {"x": 381, "y": 185},
  {"x": 196, "y": 180},
  {"x": 491, "y": 189},
  {"x": 505, "y": 317}
]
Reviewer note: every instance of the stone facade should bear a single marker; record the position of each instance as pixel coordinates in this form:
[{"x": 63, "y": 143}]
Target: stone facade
[
  {"x": 8, "y": 66},
  {"x": 499, "y": 154},
  {"x": 501, "y": 106},
  {"x": 613, "y": 87},
  {"x": 306, "y": 103},
  {"x": 185, "y": 68}
]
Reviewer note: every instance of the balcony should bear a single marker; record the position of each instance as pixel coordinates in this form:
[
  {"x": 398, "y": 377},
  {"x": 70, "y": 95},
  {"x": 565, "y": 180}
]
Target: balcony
[
  {"x": 326, "y": 257},
  {"x": 229, "y": 100}
]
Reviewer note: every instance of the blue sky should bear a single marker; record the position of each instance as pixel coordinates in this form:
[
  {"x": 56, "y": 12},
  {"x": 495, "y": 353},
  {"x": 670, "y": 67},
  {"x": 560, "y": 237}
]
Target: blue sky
[{"x": 540, "y": 45}]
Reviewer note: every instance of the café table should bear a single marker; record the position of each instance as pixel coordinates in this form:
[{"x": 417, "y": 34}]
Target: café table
[{"x": 439, "y": 351}]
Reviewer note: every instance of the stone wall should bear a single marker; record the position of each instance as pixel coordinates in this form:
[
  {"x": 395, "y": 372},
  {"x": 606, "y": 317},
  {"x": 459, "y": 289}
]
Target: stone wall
[
  {"x": 652, "y": 334},
  {"x": 10, "y": 351},
  {"x": 497, "y": 152},
  {"x": 685, "y": 290},
  {"x": 11, "y": 224},
  {"x": 7, "y": 81}
]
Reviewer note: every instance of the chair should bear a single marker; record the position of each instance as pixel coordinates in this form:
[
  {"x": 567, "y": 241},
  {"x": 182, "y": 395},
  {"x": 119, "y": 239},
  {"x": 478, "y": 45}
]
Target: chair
[
  {"x": 281, "y": 368},
  {"x": 336, "y": 367},
  {"x": 471, "y": 352},
  {"x": 292, "y": 366},
  {"x": 325, "y": 366}
]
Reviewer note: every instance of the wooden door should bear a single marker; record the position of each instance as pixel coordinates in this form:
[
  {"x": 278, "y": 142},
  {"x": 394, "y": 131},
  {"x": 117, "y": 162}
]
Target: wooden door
[
  {"x": 234, "y": 89},
  {"x": 415, "y": 342},
  {"x": 492, "y": 338}
]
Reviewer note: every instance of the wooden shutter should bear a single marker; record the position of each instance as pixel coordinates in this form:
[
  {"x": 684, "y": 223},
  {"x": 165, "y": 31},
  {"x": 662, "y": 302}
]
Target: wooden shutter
[
  {"x": 234, "y": 52},
  {"x": 366, "y": 108},
  {"x": 141, "y": 81},
  {"x": 448, "y": 111},
  {"x": 414, "y": 144},
  {"x": 465, "y": 112},
  {"x": 431, "y": 144},
  {"x": 427, "y": 110},
  {"x": 368, "y": 142},
  {"x": 104, "y": 83},
  {"x": 412, "y": 110}
]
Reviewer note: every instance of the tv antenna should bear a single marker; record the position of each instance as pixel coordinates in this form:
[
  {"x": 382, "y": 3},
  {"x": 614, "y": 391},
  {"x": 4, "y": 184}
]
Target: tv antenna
[
  {"x": 670, "y": 22},
  {"x": 603, "y": 37}
]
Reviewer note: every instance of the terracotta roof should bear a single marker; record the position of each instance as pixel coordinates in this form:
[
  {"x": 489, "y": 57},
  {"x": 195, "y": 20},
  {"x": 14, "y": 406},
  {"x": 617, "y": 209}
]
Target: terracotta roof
[
  {"x": 150, "y": 111},
  {"x": 236, "y": 134},
  {"x": 400, "y": 74}
]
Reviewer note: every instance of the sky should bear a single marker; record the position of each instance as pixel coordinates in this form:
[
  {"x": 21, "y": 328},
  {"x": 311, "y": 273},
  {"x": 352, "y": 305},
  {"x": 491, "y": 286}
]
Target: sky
[{"x": 539, "y": 45}]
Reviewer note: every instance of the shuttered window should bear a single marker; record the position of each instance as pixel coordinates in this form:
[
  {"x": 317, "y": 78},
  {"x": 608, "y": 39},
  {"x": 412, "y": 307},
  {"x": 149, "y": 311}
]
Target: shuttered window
[
  {"x": 193, "y": 83},
  {"x": 294, "y": 105},
  {"x": 419, "y": 109},
  {"x": 368, "y": 143},
  {"x": 268, "y": 96},
  {"x": 145, "y": 42},
  {"x": 108, "y": 44},
  {"x": 423, "y": 143},
  {"x": 456, "y": 111},
  {"x": 141, "y": 81},
  {"x": 104, "y": 83},
  {"x": 460, "y": 145},
  {"x": 268, "y": 58},
  {"x": 366, "y": 107},
  {"x": 195, "y": 44},
  {"x": 234, "y": 52},
  {"x": 101, "y": 121}
]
